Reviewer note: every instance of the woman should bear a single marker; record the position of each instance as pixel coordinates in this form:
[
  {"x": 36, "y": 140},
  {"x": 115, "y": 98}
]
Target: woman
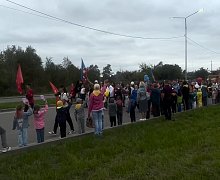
[
  {"x": 96, "y": 107},
  {"x": 73, "y": 93},
  {"x": 83, "y": 93},
  {"x": 142, "y": 100}
]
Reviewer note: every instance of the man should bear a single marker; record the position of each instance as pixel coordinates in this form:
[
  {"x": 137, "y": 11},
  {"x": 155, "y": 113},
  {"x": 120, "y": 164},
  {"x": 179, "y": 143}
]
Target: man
[
  {"x": 155, "y": 99},
  {"x": 4, "y": 142},
  {"x": 30, "y": 97},
  {"x": 111, "y": 91},
  {"x": 166, "y": 96},
  {"x": 204, "y": 94},
  {"x": 185, "y": 92},
  {"x": 176, "y": 86}
]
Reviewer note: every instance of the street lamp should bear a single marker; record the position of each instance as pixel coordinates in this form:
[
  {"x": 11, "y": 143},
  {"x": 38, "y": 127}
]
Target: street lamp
[{"x": 186, "y": 37}]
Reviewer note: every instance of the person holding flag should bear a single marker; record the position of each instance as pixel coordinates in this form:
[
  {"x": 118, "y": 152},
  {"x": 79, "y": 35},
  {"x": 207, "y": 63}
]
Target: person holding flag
[{"x": 30, "y": 97}]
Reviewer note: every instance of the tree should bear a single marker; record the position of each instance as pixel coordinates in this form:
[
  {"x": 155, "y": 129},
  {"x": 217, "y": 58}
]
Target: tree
[
  {"x": 203, "y": 73},
  {"x": 93, "y": 73},
  {"x": 107, "y": 72}
]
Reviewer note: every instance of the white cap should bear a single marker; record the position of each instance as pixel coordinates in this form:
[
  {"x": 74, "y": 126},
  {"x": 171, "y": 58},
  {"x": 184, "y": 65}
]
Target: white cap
[
  {"x": 132, "y": 83},
  {"x": 96, "y": 81}
]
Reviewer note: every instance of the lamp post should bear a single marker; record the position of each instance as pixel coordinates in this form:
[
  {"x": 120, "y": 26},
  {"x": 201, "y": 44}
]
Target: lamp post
[{"x": 186, "y": 37}]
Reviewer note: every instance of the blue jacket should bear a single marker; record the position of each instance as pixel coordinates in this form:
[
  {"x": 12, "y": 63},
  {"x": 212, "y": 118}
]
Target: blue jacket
[
  {"x": 61, "y": 114},
  {"x": 131, "y": 105},
  {"x": 134, "y": 93}
]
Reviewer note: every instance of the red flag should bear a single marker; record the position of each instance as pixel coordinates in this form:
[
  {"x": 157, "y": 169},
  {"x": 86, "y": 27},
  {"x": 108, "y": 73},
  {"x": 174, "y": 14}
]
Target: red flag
[
  {"x": 55, "y": 90},
  {"x": 19, "y": 79}
]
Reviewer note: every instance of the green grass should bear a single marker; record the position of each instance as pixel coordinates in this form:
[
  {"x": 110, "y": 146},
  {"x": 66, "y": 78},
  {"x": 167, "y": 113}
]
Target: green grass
[
  {"x": 14, "y": 104},
  {"x": 187, "y": 148}
]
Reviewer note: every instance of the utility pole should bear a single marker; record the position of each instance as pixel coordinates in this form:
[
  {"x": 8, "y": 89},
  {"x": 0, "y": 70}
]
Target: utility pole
[{"x": 211, "y": 66}]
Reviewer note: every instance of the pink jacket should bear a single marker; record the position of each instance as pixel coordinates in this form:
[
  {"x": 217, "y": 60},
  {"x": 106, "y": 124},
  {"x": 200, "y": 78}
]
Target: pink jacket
[
  {"x": 39, "y": 118},
  {"x": 96, "y": 102}
]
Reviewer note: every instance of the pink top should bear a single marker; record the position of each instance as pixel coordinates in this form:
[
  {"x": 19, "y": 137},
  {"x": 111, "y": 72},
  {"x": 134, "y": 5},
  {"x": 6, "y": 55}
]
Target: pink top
[
  {"x": 39, "y": 118},
  {"x": 96, "y": 102}
]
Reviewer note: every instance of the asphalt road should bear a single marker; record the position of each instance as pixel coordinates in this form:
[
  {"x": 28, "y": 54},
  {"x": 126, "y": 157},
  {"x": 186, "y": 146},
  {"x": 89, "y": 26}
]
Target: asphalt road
[
  {"x": 6, "y": 121},
  {"x": 18, "y": 99}
]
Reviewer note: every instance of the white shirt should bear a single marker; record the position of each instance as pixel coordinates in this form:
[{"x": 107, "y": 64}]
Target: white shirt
[
  {"x": 63, "y": 96},
  {"x": 83, "y": 91},
  {"x": 111, "y": 91}
]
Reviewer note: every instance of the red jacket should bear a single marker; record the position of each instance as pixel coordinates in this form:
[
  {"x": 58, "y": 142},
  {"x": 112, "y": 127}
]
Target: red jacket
[
  {"x": 30, "y": 96},
  {"x": 72, "y": 92}
]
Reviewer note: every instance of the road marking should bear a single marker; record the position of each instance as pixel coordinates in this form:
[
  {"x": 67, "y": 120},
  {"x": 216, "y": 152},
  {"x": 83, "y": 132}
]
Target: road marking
[{"x": 10, "y": 112}]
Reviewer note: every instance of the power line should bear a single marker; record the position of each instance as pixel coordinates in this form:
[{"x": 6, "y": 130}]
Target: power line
[
  {"x": 203, "y": 46},
  {"x": 26, "y": 12},
  {"x": 87, "y": 27}
]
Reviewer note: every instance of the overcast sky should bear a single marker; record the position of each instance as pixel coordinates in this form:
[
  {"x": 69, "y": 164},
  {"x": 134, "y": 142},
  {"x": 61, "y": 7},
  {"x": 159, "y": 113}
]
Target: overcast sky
[{"x": 130, "y": 17}]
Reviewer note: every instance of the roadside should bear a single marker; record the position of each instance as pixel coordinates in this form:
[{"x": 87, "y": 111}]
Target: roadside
[{"x": 10, "y": 106}]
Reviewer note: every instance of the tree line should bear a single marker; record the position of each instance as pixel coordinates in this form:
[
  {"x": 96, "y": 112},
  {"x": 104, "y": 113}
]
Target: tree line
[{"x": 38, "y": 72}]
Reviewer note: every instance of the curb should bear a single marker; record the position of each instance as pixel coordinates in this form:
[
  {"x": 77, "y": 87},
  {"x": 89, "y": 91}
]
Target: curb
[{"x": 51, "y": 141}]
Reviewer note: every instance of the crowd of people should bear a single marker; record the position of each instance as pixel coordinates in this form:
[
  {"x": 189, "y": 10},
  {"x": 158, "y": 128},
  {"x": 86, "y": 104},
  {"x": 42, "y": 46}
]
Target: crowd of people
[{"x": 155, "y": 99}]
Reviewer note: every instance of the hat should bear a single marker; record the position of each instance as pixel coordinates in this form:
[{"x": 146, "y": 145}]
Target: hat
[
  {"x": 96, "y": 81},
  {"x": 132, "y": 83},
  {"x": 78, "y": 100},
  {"x": 60, "y": 104}
]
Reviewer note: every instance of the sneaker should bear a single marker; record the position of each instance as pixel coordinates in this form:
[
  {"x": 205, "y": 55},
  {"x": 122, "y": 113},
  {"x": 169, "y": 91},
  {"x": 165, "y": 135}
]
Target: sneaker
[
  {"x": 144, "y": 119},
  {"x": 4, "y": 150},
  {"x": 141, "y": 119},
  {"x": 72, "y": 132},
  {"x": 52, "y": 133}
]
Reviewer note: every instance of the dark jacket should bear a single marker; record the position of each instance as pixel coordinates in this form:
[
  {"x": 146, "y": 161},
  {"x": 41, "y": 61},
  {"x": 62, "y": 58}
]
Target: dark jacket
[
  {"x": 131, "y": 105},
  {"x": 119, "y": 107},
  {"x": 167, "y": 90},
  {"x": 185, "y": 92},
  {"x": 61, "y": 114},
  {"x": 174, "y": 97},
  {"x": 155, "y": 95},
  {"x": 204, "y": 91},
  {"x": 112, "y": 108}
]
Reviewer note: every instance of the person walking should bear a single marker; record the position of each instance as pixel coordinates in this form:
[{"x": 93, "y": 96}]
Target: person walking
[
  {"x": 142, "y": 100},
  {"x": 166, "y": 96},
  {"x": 131, "y": 108},
  {"x": 96, "y": 107},
  {"x": 30, "y": 97},
  {"x": 5, "y": 147}
]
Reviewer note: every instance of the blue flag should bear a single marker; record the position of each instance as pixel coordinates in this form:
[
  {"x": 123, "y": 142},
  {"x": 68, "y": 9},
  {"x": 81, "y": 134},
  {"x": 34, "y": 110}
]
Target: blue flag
[{"x": 152, "y": 76}]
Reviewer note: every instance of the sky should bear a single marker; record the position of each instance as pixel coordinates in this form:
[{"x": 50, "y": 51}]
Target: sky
[{"x": 149, "y": 19}]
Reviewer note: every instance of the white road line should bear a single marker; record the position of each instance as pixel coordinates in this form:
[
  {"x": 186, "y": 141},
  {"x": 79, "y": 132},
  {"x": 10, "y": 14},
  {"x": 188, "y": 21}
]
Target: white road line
[{"x": 12, "y": 112}]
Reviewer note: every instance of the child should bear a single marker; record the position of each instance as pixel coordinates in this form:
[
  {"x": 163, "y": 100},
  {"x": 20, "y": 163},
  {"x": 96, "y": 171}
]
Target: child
[
  {"x": 209, "y": 96},
  {"x": 62, "y": 117},
  {"x": 131, "y": 108},
  {"x": 119, "y": 110},
  {"x": 39, "y": 122},
  {"x": 21, "y": 122},
  {"x": 179, "y": 100},
  {"x": 199, "y": 98},
  {"x": 79, "y": 115},
  {"x": 112, "y": 112},
  {"x": 194, "y": 99},
  {"x": 173, "y": 101}
]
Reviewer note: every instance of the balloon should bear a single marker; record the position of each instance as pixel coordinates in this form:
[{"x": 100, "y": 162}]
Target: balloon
[
  {"x": 199, "y": 80},
  {"x": 147, "y": 79},
  {"x": 107, "y": 93},
  {"x": 145, "y": 76}
]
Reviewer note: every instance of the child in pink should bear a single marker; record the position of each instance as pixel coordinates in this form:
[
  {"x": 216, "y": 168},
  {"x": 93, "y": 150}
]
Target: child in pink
[{"x": 39, "y": 122}]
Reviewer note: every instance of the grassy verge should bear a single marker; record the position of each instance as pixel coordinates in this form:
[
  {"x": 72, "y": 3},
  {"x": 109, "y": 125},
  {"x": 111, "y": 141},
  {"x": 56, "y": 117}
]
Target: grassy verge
[
  {"x": 187, "y": 148},
  {"x": 14, "y": 104}
]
